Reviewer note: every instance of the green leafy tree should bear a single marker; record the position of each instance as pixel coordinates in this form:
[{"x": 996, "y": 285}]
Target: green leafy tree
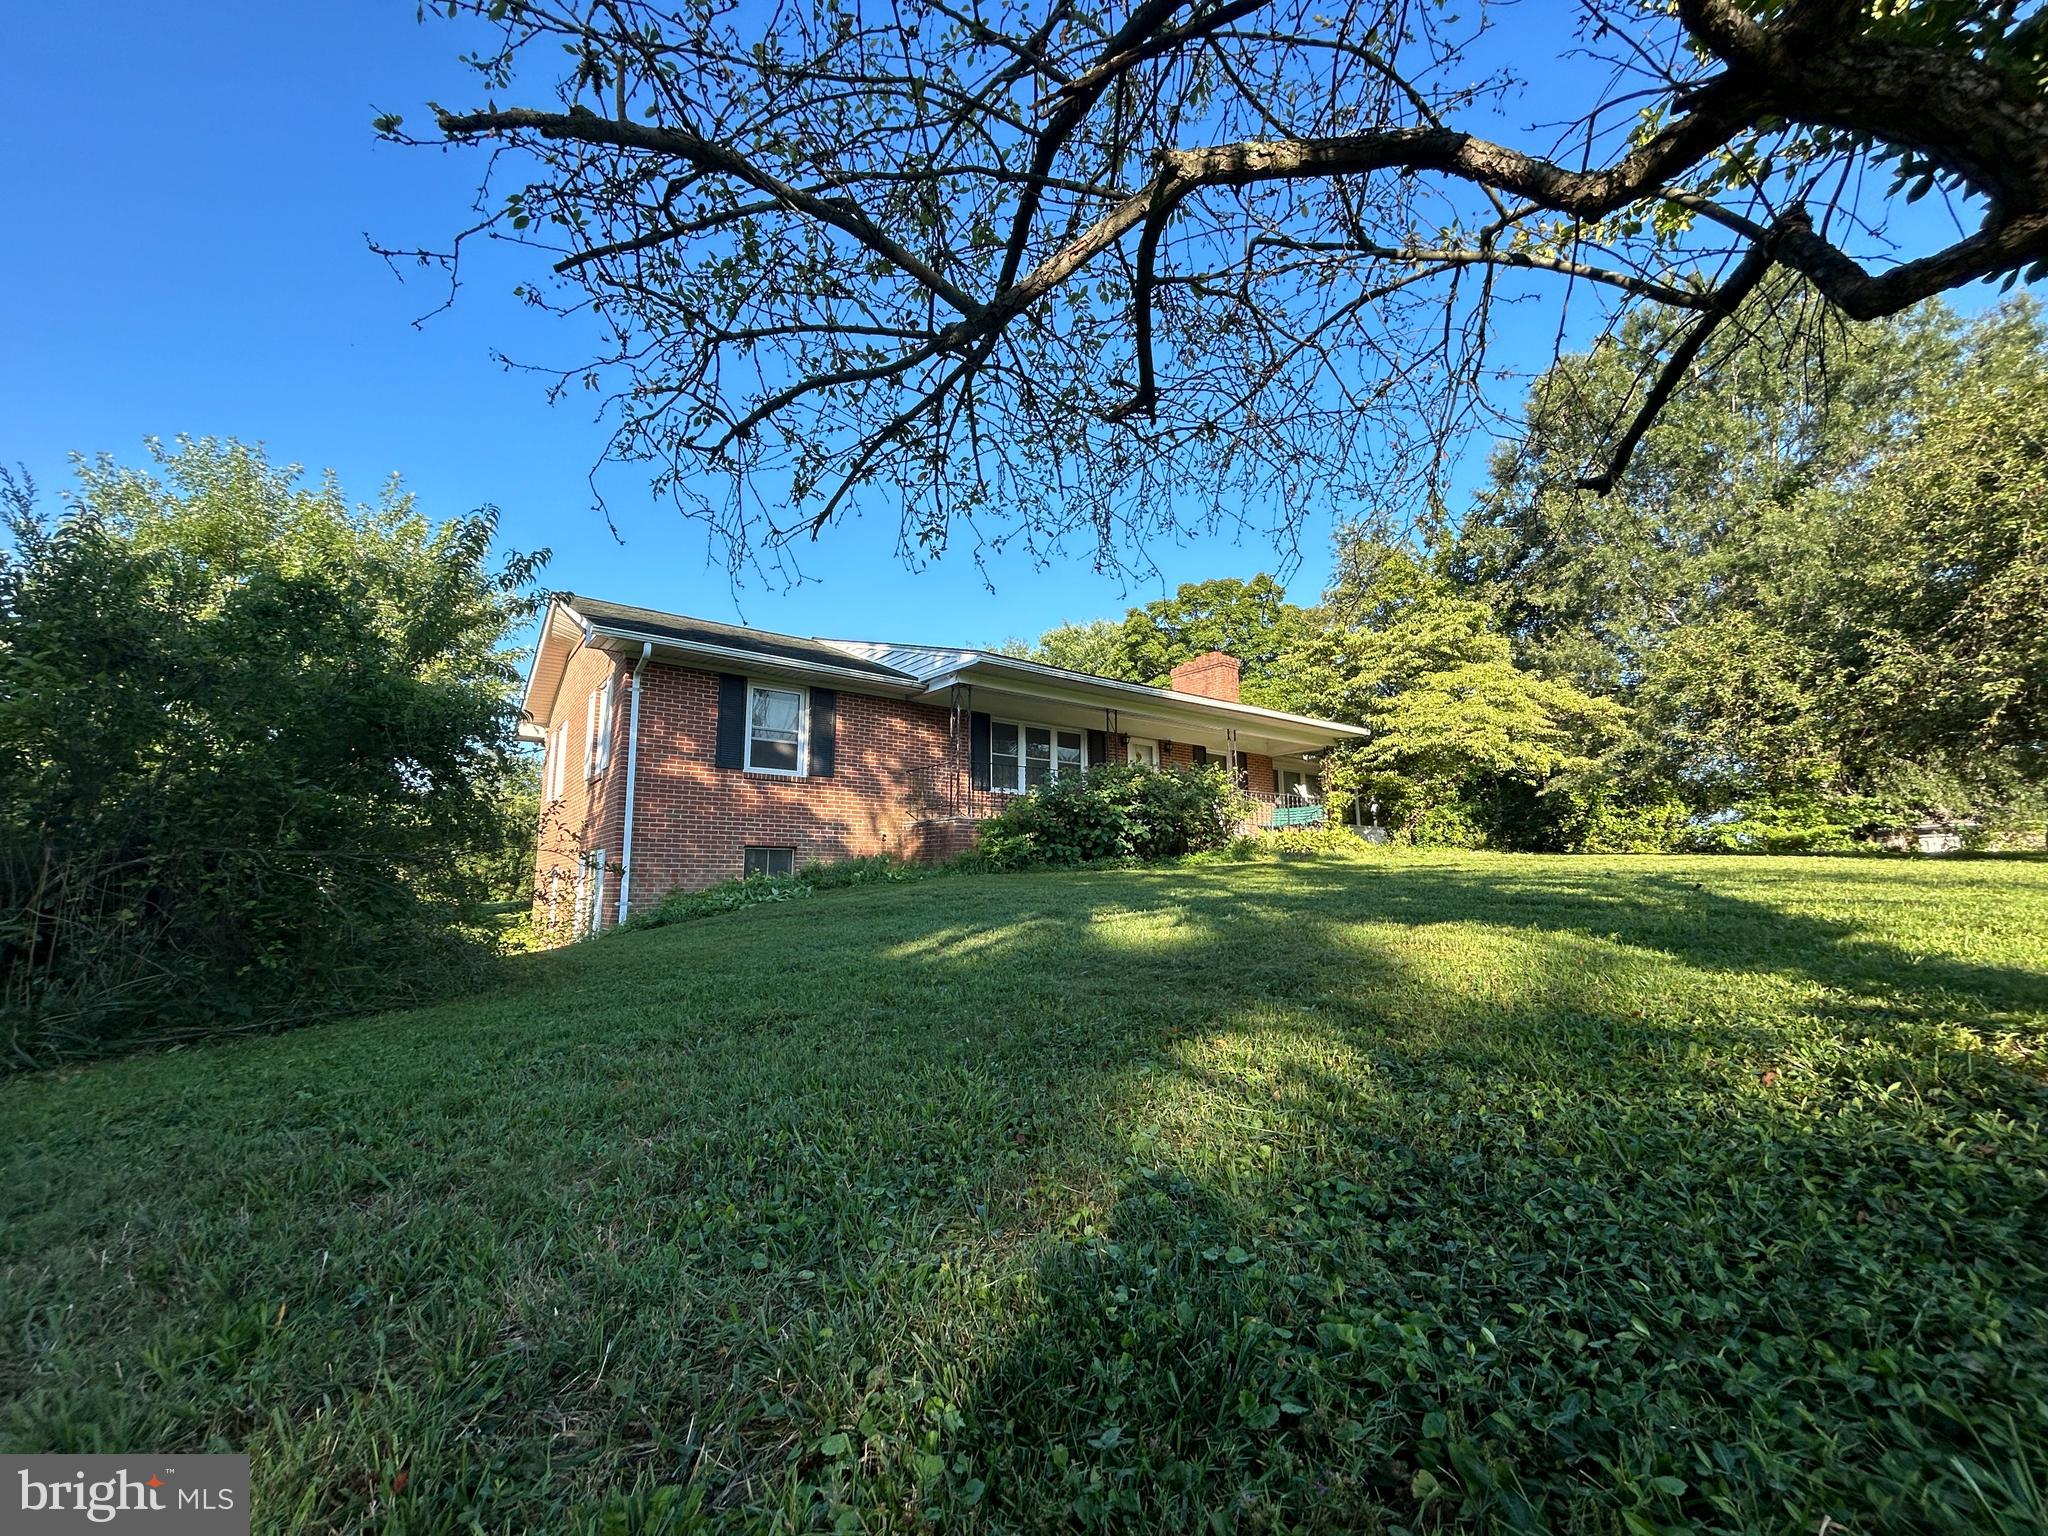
[
  {"x": 1251, "y": 620},
  {"x": 1884, "y": 637},
  {"x": 1935, "y": 620},
  {"x": 1095, "y": 647},
  {"x": 1461, "y": 738},
  {"x": 251, "y": 739},
  {"x": 1587, "y": 584},
  {"x": 1816, "y": 600}
]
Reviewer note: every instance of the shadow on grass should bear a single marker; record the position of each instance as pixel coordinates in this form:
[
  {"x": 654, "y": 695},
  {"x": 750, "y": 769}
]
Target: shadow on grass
[
  {"x": 1354, "y": 1197},
  {"x": 1604, "y": 1245}
]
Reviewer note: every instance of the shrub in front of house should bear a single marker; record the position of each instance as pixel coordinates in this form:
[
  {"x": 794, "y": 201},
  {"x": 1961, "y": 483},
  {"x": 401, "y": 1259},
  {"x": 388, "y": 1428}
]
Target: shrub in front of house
[
  {"x": 1114, "y": 811},
  {"x": 1280, "y": 844},
  {"x": 1312, "y": 843}
]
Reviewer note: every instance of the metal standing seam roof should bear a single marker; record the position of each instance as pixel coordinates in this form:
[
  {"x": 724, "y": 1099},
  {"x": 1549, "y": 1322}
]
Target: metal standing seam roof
[
  {"x": 929, "y": 661},
  {"x": 923, "y": 662},
  {"x": 761, "y": 642}
]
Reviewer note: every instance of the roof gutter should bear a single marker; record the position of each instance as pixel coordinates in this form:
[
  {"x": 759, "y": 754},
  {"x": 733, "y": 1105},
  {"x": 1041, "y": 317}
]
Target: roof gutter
[{"x": 632, "y": 772}]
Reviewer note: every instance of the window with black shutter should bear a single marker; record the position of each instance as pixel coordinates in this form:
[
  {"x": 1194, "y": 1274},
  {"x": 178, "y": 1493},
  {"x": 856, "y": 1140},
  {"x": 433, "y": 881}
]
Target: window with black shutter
[
  {"x": 824, "y": 745},
  {"x": 732, "y": 721},
  {"x": 977, "y": 749}
]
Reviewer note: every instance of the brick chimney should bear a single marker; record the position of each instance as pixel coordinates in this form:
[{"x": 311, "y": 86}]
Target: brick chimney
[{"x": 1213, "y": 675}]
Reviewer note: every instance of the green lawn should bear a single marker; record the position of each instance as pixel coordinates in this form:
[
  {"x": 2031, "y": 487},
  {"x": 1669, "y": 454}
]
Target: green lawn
[{"x": 1584, "y": 1194}]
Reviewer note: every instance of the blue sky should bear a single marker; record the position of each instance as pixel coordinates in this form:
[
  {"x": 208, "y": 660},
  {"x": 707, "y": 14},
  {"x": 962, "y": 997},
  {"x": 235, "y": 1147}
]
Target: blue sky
[{"x": 188, "y": 192}]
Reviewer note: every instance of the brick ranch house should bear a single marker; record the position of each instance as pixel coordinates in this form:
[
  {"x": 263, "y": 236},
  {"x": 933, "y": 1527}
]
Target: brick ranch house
[{"x": 680, "y": 752}]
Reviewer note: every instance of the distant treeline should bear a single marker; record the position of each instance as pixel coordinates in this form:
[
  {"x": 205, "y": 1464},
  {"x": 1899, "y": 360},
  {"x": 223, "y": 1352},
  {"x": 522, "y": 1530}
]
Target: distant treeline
[{"x": 1812, "y": 610}]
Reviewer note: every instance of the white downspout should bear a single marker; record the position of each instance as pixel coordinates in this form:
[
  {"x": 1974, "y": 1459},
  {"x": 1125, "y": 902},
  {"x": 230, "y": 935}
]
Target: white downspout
[{"x": 632, "y": 769}]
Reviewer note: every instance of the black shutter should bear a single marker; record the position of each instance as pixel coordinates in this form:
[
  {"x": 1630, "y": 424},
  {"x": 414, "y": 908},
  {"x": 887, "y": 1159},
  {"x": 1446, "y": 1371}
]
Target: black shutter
[
  {"x": 824, "y": 731},
  {"x": 1201, "y": 756},
  {"x": 977, "y": 749},
  {"x": 1098, "y": 747},
  {"x": 732, "y": 721}
]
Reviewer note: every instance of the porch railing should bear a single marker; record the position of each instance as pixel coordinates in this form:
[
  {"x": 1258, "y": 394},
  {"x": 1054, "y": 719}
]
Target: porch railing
[{"x": 1269, "y": 811}]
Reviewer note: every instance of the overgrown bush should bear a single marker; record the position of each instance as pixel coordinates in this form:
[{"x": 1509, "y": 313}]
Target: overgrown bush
[
  {"x": 251, "y": 741},
  {"x": 1613, "y": 826},
  {"x": 1314, "y": 842},
  {"x": 1626, "y": 812},
  {"x": 1114, "y": 811},
  {"x": 1448, "y": 823}
]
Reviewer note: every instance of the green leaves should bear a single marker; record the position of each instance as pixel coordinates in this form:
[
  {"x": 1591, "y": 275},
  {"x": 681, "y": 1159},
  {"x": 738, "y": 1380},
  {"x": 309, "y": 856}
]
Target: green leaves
[
  {"x": 265, "y": 733},
  {"x": 1820, "y": 601},
  {"x": 1112, "y": 811}
]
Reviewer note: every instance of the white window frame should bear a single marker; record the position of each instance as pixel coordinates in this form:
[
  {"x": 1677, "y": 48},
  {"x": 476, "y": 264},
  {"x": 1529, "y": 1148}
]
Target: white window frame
[
  {"x": 803, "y": 732},
  {"x": 1301, "y": 777},
  {"x": 1023, "y": 758},
  {"x": 1131, "y": 745}
]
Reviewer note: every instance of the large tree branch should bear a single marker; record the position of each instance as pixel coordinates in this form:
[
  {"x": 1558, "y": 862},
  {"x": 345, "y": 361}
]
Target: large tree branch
[
  {"x": 2004, "y": 246},
  {"x": 675, "y": 143},
  {"x": 1727, "y": 298},
  {"x": 933, "y": 184}
]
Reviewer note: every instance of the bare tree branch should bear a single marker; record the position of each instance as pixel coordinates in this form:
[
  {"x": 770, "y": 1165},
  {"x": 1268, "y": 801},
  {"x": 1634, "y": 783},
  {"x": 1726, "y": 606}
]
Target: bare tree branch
[{"x": 1122, "y": 275}]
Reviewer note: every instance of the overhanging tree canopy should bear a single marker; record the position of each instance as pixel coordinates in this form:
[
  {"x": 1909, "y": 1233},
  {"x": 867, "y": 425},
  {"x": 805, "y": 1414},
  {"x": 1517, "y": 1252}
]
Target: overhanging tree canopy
[{"x": 1037, "y": 268}]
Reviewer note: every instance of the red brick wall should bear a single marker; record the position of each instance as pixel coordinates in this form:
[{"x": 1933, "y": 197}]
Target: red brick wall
[
  {"x": 1213, "y": 675},
  {"x": 591, "y": 811},
  {"x": 900, "y": 785},
  {"x": 894, "y": 766}
]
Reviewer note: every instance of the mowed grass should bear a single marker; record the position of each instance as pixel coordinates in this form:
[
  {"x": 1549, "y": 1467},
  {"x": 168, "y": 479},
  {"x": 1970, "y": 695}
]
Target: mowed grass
[{"x": 1511, "y": 1192}]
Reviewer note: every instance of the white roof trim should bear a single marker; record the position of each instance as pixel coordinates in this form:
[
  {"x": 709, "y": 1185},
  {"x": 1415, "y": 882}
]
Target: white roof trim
[{"x": 569, "y": 629}]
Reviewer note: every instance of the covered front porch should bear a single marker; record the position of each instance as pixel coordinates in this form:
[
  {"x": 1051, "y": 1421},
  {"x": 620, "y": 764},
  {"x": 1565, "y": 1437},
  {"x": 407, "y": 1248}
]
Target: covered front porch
[{"x": 1043, "y": 722}]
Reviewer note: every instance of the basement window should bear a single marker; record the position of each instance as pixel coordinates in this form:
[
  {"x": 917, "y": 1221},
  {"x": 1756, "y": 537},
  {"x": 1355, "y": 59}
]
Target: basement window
[{"x": 771, "y": 861}]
